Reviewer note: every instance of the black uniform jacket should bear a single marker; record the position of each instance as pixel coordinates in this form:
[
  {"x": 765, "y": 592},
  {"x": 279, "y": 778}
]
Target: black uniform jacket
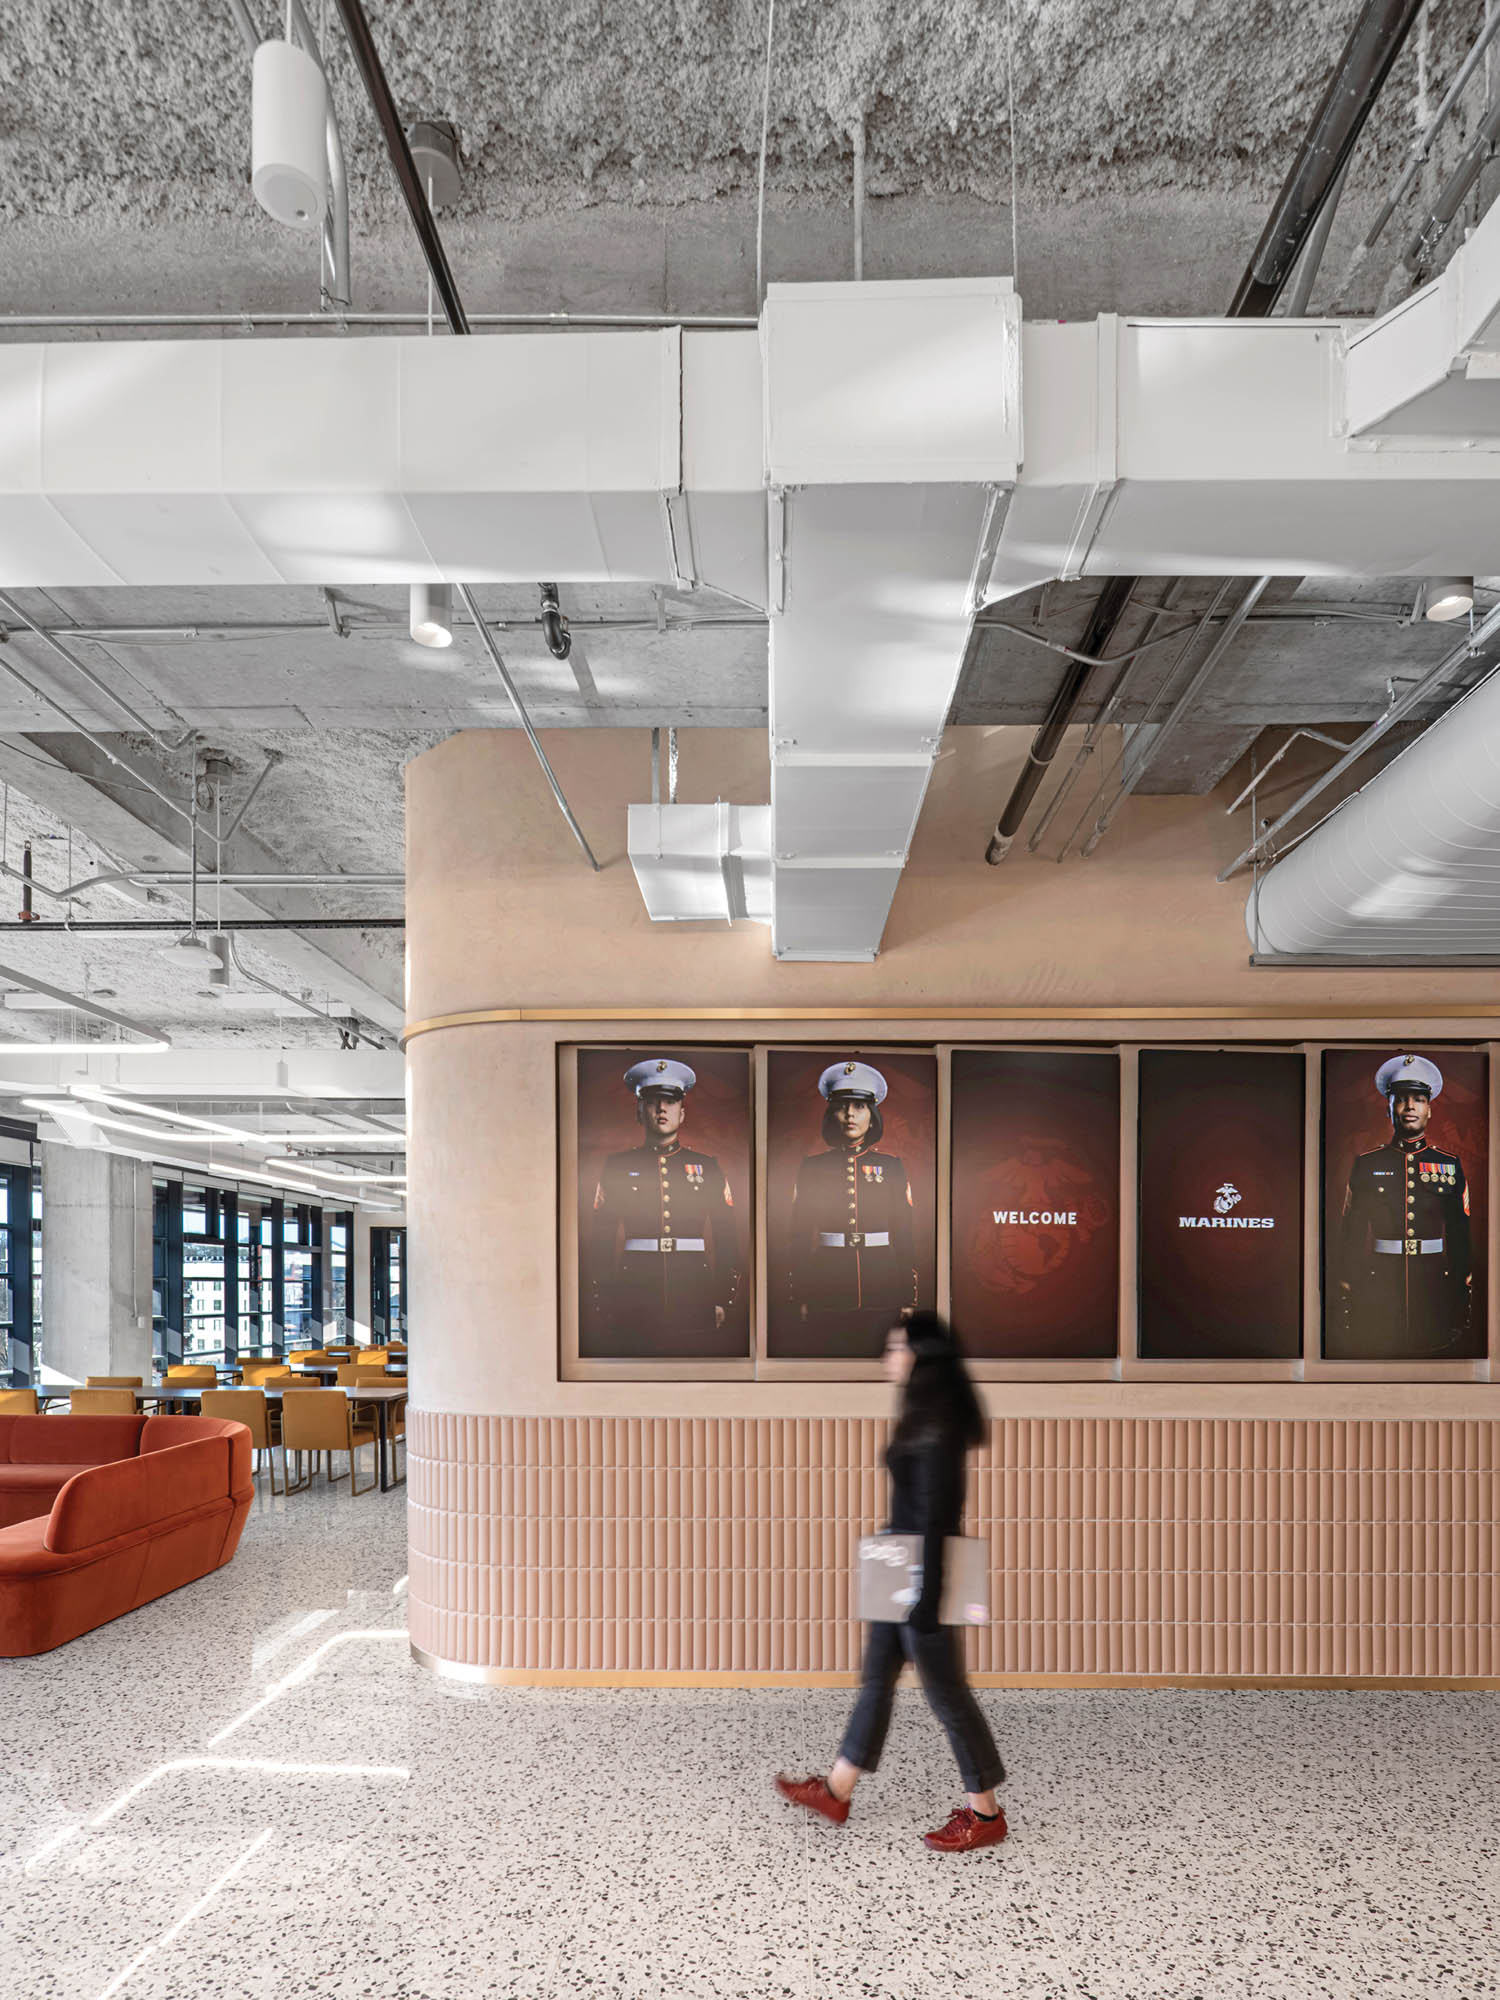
[
  {"x": 665, "y": 1248},
  {"x": 851, "y": 1233},
  {"x": 927, "y": 1499},
  {"x": 1407, "y": 1247}
]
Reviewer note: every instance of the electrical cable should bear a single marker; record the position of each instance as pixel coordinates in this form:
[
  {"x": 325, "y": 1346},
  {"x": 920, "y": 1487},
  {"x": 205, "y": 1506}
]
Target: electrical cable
[
  {"x": 1010, "y": 91},
  {"x": 760, "y": 198}
]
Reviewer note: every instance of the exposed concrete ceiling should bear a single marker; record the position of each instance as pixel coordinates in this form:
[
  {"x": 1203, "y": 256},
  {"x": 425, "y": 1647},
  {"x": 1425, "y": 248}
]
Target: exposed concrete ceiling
[
  {"x": 610, "y": 166},
  {"x": 611, "y": 151}
]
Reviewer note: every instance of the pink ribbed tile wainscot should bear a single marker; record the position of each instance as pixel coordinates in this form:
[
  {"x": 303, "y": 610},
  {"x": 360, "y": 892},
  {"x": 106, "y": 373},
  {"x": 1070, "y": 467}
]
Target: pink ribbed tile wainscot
[{"x": 1120, "y": 1547}]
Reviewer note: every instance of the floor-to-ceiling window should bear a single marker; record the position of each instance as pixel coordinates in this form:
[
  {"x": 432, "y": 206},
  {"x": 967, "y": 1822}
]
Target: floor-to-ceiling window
[
  {"x": 388, "y": 1284},
  {"x": 302, "y": 1274},
  {"x": 340, "y": 1227},
  {"x": 166, "y": 1272},
  {"x": 20, "y": 1241},
  {"x": 208, "y": 1307},
  {"x": 233, "y": 1274}
]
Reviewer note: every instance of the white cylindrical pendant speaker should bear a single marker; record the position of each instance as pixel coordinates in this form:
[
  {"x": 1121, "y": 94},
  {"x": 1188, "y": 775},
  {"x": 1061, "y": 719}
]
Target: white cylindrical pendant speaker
[{"x": 288, "y": 142}]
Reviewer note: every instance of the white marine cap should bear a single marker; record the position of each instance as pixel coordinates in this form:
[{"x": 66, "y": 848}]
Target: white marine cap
[
  {"x": 853, "y": 1079},
  {"x": 1408, "y": 1073},
  {"x": 661, "y": 1073}
]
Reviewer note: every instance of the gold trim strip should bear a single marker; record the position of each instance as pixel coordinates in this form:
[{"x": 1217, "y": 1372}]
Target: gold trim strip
[
  {"x": 624, "y": 1677},
  {"x": 1453, "y": 1010}
]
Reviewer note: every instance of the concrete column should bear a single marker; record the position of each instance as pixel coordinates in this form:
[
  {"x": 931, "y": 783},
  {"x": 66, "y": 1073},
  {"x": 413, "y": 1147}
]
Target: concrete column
[{"x": 96, "y": 1263}]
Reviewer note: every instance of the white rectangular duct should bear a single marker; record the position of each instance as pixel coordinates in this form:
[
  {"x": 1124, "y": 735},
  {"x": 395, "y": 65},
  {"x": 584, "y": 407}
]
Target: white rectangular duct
[
  {"x": 341, "y": 462},
  {"x": 701, "y": 863},
  {"x": 893, "y": 420},
  {"x": 1219, "y": 448},
  {"x": 1430, "y": 368}
]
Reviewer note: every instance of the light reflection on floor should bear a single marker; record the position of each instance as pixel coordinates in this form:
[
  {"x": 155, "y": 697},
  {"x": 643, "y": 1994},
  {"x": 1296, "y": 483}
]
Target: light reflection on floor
[{"x": 248, "y": 1789}]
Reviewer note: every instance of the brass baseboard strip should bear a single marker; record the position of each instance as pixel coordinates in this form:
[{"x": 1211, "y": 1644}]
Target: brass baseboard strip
[
  {"x": 1300, "y": 1010},
  {"x": 628, "y": 1677}
]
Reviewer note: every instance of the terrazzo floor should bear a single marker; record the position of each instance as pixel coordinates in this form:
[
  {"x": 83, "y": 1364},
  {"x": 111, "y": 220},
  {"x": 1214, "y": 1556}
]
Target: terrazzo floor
[{"x": 247, "y": 1789}]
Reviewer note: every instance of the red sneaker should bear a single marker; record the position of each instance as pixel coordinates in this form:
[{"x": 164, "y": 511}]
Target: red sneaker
[
  {"x": 966, "y": 1830},
  {"x": 815, "y": 1795}
]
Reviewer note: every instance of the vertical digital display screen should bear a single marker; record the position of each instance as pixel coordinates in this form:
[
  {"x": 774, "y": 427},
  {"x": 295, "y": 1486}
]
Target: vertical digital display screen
[
  {"x": 664, "y": 1211},
  {"x": 1405, "y": 1204},
  {"x": 1220, "y": 1240},
  {"x": 851, "y": 1197},
  {"x": 1036, "y": 1203}
]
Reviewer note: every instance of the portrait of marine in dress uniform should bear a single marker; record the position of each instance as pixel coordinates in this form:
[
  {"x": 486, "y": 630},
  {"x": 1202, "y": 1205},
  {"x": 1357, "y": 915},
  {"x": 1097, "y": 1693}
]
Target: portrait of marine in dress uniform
[
  {"x": 846, "y": 1261},
  {"x": 663, "y": 1254},
  {"x": 1403, "y": 1263}
]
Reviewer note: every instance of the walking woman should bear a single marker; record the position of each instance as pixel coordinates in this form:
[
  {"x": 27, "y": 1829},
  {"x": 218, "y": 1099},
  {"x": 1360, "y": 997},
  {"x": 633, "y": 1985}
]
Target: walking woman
[{"x": 939, "y": 1423}]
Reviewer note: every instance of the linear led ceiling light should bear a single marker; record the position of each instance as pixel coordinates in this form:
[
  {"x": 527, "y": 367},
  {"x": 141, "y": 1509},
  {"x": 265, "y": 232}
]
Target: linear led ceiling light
[
  {"x": 432, "y": 614},
  {"x": 339, "y": 1174},
  {"x": 1447, "y": 598},
  {"x": 92, "y": 1093}
]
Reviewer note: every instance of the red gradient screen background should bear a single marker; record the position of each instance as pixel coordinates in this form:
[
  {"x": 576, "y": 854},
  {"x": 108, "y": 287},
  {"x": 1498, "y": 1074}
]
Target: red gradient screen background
[{"x": 1036, "y": 1130}]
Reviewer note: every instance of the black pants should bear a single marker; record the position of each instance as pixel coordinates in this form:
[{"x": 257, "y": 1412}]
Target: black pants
[{"x": 940, "y": 1668}]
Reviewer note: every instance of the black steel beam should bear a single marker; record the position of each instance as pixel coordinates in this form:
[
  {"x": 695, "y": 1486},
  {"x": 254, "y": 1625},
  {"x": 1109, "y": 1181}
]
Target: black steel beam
[
  {"x": 1374, "y": 43},
  {"x": 367, "y": 61}
]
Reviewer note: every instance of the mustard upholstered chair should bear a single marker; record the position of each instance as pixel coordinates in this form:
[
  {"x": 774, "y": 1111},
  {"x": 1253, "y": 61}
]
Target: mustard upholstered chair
[
  {"x": 18, "y": 1402},
  {"x": 250, "y": 1408},
  {"x": 116, "y": 1381},
  {"x": 192, "y": 1371},
  {"x": 102, "y": 1402},
  {"x": 255, "y": 1374},
  {"x": 323, "y": 1420}
]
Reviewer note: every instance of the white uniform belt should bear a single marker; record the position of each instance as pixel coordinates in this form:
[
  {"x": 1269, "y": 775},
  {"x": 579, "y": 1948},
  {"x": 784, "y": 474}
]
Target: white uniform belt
[
  {"x": 1409, "y": 1246},
  {"x": 665, "y": 1243},
  {"x": 855, "y": 1239}
]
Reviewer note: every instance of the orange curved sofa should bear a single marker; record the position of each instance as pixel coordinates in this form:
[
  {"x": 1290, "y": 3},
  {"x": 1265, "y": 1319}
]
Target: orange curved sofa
[{"x": 123, "y": 1509}]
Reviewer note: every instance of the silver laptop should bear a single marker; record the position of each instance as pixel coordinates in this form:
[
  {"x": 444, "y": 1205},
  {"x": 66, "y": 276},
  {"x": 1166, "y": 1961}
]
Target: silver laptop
[{"x": 888, "y": 1571}]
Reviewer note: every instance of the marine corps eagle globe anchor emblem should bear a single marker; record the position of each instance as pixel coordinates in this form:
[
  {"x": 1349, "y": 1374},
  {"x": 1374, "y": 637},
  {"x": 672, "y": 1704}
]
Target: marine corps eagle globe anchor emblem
[{"x": 1226, "y": 1197}]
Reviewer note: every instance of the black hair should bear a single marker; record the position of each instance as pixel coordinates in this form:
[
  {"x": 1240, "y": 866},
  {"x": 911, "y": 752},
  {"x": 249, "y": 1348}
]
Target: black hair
[
  {"x": 939, "y": 1394},
  {"x": 833, "y": 1136}
]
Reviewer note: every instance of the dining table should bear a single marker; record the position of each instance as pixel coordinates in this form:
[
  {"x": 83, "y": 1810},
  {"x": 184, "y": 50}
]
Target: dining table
[{"x": 178, "y": 1395}]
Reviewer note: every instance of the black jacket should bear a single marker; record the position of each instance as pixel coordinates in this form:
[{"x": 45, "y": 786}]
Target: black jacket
[{"x": 927, "y": 1499}]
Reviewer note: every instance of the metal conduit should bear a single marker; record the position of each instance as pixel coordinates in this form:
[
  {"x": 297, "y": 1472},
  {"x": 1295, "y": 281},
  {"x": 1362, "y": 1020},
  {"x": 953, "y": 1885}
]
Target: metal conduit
[
  {"x": 167, "y": 745},
  {"x": 372, "y": 74},
  {"x": 1374, "y": 43},
  {"x": 333, "y": 322},
  {"x": 1362, "y": 67},
  {"x": 1423, "y": 146},
  {"x": 1439, "y": 218},
  {"x": 367, "y": 60},
  {"x": 1485, "y": 634}
]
